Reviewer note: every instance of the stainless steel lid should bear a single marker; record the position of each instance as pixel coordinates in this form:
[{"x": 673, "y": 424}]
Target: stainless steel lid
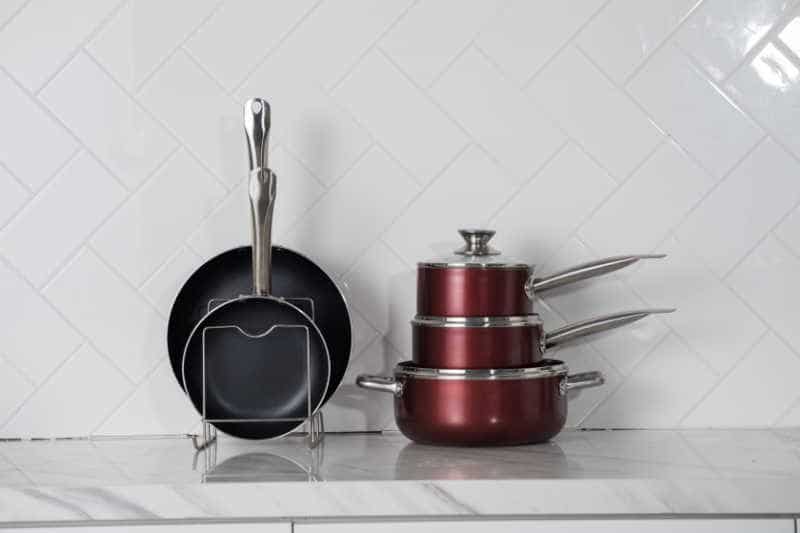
[
  {"x": 476, "y": 253},
  {"x": 477, "y": 321},
  {"x": 546, "y": 368}
]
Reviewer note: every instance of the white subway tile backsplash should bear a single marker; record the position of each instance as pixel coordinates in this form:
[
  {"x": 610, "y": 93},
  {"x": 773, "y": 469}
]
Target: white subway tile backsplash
[
  {"x": 52, "y": 227},
  {"x": 143, "y": 33},
  {"x": 497, "y": 114},
  {"x": 586, "y": 103},
  {"x": 116, "y": 129},
  {"x": 673, "y": 90},
  {"x": 576, "y": 129}
]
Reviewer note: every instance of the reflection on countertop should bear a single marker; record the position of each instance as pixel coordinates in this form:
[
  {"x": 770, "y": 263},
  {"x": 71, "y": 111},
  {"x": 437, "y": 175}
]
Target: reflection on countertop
[{"x": 645, "y": 454}]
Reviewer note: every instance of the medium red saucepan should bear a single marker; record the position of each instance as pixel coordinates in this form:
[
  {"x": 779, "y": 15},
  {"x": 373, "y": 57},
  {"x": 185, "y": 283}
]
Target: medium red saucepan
[
  {"x": 478, "y": 281},
  {"x": 501, "y": 342},
  {"x": 488, "y": 407}
]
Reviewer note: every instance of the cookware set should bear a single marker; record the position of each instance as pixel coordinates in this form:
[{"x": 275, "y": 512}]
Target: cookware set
[
  {"x": 259, "y": 336},
  {"x": 478, "y": 375}
]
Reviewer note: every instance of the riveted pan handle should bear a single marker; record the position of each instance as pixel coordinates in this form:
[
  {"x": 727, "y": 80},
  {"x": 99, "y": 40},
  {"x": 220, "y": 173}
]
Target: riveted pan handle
[
  {"x": 380, "y": 383},
  {"x": 262, "y": 189},
  {"x": 585, "y": 380},
  {"x": 584, "y": 271},
  {"x": 598, "y": 324}
]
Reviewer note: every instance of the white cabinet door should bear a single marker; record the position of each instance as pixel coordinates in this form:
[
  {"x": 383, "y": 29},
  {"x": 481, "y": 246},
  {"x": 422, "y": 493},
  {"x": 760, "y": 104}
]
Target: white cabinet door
[
  {"x": 283, "y": 527},
  {"x": 560, "y": 526}
]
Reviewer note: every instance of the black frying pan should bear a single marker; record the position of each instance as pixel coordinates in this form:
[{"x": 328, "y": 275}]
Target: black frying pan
[
  {"x": 244, "y": 360},
  {"x": 294, "y": 277}
]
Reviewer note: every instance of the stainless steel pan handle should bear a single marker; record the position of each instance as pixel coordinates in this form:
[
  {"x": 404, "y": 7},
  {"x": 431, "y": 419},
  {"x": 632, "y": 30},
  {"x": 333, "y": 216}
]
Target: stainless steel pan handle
[
  {"x": 380, "y": 383},
  {"x": 262, "y": 189},
  {"x": 598, "y": 324},
  {"x": 584, "y": 271},
  {"x": 585, "y": 380}
]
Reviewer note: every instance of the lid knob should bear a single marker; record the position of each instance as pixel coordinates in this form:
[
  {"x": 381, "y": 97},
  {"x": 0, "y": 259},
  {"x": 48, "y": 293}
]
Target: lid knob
[{"x": 477, "y": 242}]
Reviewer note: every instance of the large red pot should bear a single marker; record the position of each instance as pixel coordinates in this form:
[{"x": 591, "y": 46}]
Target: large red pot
[
  {"x": 500, "y": 342},
  {"x": 477, "y": 281},
  {"x": 491, "y": 407}
]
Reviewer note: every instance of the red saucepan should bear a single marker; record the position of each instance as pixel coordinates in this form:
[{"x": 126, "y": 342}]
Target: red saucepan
[
  {"x": 477, "y": 281},
  {"x": 501, "y": 342},
  {"x": 488, "y": 407}
]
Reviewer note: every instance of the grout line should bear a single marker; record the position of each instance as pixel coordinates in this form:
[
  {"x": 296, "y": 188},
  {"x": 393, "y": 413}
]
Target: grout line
[
  {"x": 171, "y": 53},
  {"x": 238, "y": 86},
  {"x": 79, "y": 48},
  {"x": 14, "y": 15},
  {"x": 207, "y": 73},
  {"x": 28, "y": 189},
  {"x": 10, "y": 362}
]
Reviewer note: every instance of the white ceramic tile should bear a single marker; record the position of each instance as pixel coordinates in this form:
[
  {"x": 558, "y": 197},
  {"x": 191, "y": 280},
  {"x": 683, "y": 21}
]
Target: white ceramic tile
[
  {"x": 381, "y": 98},
  {"x": 144, "y": 232},
  {"x": 754, "y": 393},
  {"x": 720, "y": 33},
  {"x": 158, "y": 407},
  {"x": 25, "y": 129},
  {"x": 754, "y": 198},
  {"x": 497, "y": 114},
  {"x": 68, "y": 404},
  {"x": 791, "y": 418},
  {"x": 163, "y": 286},
  {"x": 647, "y": 206},
  {"x": 9, "y": 8},
  {"x": 428, "y": 228},
  {"x": 363, "y": 332},
  {"x": 767, "y": 87},
  {"x": 545, "y": 212},
  {"x": 50, "y": 228},
  {"x": 16, "y": 389},
  {"x": 375, "y": 282},
  {"x": 673, "y": 90},
  {"x": 61, "y": 25},
  {"x": 249, "y": 29},
  {"x": 706, "y": 307},
  {"x": 12, "y": 196},
  {"x": 661, "y": 390},
  {"x": 767, "y": 280},
  {"x": 626, "y": 32},
  {"x": 624, "y": 347},
  {"x": 105, "y": 309},
  {"x": 335, "y": 237},
  {"x": 418, "y": 44},
  {"x": 197, "y": 110},
  {"x": 103, "y": 117},
  {"x": 143, "y": 33},
  {"x": 582, "y": 358},
  {"x": 229, "y": 225},
  {"x": 332, "y": 39},
  {"x": 789, "y": 231},
  {"x": 34, "y": 338},
  {"x": 526, "y": 34},
  {"x": 585, "y": 103}
]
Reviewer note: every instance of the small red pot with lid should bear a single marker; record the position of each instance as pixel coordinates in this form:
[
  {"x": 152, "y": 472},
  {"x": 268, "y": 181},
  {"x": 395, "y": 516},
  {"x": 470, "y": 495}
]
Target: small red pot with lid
[{"x": 478, "y": 281}]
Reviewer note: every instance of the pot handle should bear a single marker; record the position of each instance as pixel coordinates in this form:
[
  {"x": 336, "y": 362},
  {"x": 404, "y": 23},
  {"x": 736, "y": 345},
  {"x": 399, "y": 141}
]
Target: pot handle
[
  {"x": 585, "y": 380},
  {"x": 597, "y": 324},
  {"x": 584, "y": 271},
  {"x": 380, "y": 383}
]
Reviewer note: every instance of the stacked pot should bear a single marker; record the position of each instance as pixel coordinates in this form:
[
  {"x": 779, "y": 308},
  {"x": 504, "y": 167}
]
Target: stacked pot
[{"x": 479, "y": 375}]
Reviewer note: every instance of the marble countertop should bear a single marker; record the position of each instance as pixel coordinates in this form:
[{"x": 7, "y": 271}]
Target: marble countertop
[{"x": 644, "y": 472}]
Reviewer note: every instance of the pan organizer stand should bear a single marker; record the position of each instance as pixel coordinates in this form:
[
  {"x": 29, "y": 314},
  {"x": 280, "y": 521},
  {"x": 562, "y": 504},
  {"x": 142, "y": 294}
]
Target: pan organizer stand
[{"x": 312, "y": 422}]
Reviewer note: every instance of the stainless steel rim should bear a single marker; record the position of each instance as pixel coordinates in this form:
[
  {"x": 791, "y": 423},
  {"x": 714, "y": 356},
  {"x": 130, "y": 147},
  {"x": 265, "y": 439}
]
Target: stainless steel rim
[
  {"x": 499, "y": 266},
  {"x": 546, "y": 369},
  {"x": 477, "y": 321}
]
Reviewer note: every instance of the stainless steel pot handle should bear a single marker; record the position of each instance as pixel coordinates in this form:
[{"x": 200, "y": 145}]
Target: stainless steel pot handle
[
  {"x": 262, "y": 189},
  {"x": 598, "y": 324},
  {"x": 583, "y": 271},
  {"x": 380, "y": 383},
  {"x": 585, "y": 380}
]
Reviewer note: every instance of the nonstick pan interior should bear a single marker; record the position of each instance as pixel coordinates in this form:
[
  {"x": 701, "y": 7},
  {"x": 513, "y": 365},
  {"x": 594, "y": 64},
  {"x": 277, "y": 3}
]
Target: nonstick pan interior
[
  {"x": 230, "y": 275},
  {"x": 256, "y": 378}
]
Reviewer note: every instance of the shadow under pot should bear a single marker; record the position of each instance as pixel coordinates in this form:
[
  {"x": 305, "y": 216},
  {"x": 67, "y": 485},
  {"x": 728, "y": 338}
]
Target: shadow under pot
[
  {"x": 486, "y": 407},
  {"x": 478, "y": 281},
  {"x": 501, "y": 342}
]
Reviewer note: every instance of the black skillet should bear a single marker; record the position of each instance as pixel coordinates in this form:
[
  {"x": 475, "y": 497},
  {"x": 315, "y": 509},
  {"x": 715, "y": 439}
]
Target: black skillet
[
  {"x": 294, "y": 277},
  {"x": 244, "y": 365}
]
